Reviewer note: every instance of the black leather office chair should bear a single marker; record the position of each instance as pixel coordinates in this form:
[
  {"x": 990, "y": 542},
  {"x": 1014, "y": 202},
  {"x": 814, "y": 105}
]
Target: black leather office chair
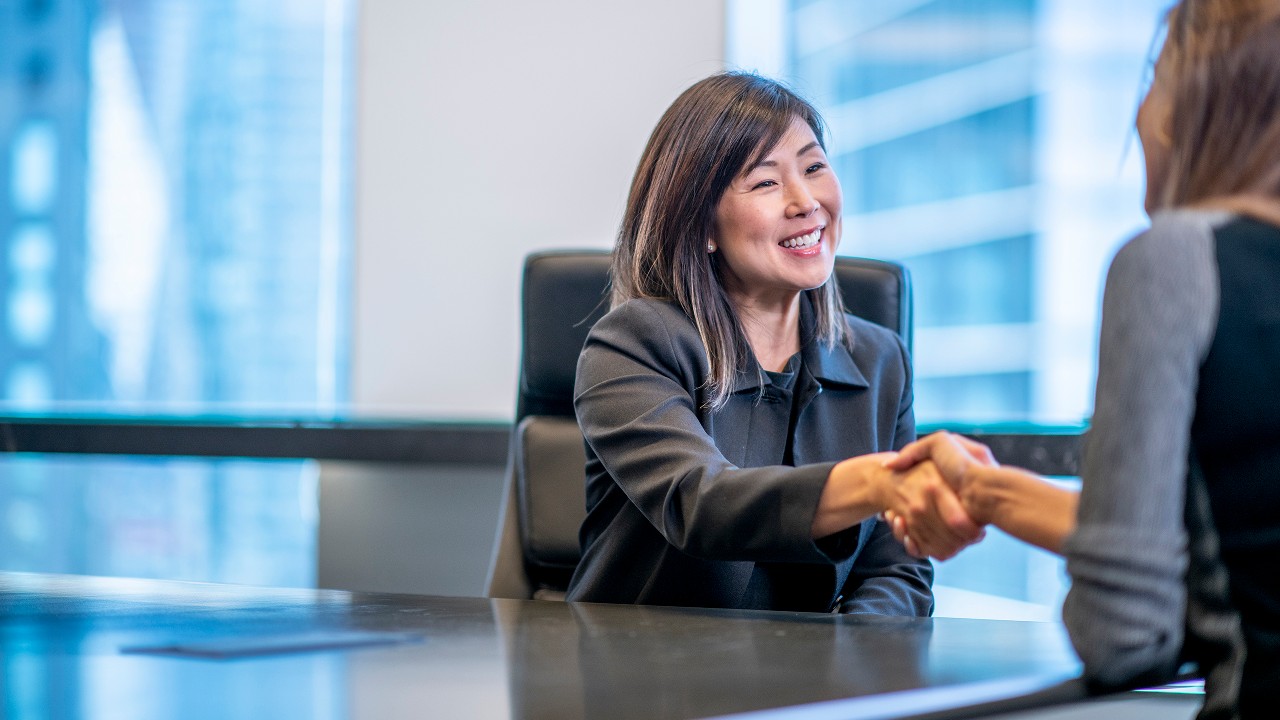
[{"x": 564, "y": 293}]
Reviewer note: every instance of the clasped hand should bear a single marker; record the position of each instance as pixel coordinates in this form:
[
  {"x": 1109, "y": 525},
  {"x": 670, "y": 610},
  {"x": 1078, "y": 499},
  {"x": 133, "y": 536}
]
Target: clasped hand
[{"x": 933, "y": 508}]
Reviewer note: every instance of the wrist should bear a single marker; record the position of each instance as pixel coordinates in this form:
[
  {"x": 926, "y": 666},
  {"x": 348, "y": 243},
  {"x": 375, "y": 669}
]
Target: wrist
[
  {"x": 856, "y": 489},
  {"x": 873, "y": 483},
  {"x": 981, "y": 493}
]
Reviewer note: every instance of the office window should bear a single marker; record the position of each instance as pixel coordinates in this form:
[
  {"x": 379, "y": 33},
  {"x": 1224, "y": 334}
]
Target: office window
[
  {"x": 174, "y": 239},
  {"x": 987, "y": 145}
]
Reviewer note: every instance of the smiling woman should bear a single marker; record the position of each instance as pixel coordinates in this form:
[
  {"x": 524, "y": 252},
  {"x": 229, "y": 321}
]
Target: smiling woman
[
  {"x": 778, "y": 227},
  {"x": 734, "y": 415}
]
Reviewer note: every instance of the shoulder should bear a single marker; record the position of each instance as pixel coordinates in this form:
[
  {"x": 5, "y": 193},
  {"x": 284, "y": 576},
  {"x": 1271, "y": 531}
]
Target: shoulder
[
  {"x": 644, "y": 316},
  {"x": 873, "y": 357},
  {"x": 646, "y": 326},
  {"x": 1162, "y": 290},
  {"x": 642, "y": 337},
  {"x": 1178, "y": 245},
  {"x": 646, "y": 310}
]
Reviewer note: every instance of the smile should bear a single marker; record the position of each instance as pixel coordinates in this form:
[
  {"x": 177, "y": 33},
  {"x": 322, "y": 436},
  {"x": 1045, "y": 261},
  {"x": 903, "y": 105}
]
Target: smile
[{"x": 807, "y": 240}]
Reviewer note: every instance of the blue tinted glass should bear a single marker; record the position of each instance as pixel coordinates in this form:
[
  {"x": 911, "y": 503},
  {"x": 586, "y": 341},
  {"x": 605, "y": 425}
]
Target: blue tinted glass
[
  {"x": 34, "y": 178},
  {"x": 925, "y": 166},
  {"x": 241, "y": 521},
  {"x": 864, "y": 48},
  {"x": 987, "y": 145},
  {"x": 990, "y": 396},
  {"x": 175, "y": 222},
  {"x": 191, "y": 182},
  {"x": 974, "y": 284}
]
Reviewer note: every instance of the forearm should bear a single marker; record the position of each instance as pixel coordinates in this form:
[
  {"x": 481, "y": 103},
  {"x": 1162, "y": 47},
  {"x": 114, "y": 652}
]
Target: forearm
[{"x": 1021, "y": 504}]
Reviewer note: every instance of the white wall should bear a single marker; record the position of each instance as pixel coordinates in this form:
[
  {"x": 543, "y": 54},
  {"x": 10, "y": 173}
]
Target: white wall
[{"x": 487, "y": 129}]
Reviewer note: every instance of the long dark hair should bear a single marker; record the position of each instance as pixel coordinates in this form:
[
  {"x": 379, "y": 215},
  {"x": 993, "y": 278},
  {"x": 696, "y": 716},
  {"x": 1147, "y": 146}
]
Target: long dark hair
[{"x": 709, "y": 135}]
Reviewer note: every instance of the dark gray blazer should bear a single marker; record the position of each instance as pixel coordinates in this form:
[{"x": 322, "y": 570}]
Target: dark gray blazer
[{"x": 694, "y": 508}]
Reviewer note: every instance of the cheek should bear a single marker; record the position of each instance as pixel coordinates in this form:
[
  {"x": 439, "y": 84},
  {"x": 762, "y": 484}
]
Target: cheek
[
  {"x": 735, "y": 219},
  {"x": 1155, "y": 149},
  {"x": 832, "y": 195},
  {"x": 751, "y": 225}
]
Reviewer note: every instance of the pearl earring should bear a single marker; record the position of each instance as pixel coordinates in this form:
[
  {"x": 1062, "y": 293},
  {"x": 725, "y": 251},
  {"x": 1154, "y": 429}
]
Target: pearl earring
[{"x": 711, "y": 246}]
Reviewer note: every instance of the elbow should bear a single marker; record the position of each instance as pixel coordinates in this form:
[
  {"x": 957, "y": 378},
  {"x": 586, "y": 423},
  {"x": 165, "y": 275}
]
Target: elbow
[
  {"x": 1127, "y": 657},
  {"x": 1126, "y": 610}
]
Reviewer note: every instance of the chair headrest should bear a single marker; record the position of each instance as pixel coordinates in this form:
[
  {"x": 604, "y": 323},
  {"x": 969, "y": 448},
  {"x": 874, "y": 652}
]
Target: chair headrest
[{"x": 564, "y": 294}]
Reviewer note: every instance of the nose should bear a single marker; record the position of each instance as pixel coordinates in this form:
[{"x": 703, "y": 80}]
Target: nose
[{"x": 801, "y": 203}]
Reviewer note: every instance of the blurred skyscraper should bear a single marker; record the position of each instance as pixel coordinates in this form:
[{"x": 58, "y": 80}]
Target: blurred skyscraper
[
  {"x": 50, "y": 348},
  {"x": 174, "y": 215},
  {"x": 985, "y": 144}
]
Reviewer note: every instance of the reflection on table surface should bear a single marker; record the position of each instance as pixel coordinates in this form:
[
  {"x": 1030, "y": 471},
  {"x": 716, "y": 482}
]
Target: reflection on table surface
[{"x": 77, "y": 647}]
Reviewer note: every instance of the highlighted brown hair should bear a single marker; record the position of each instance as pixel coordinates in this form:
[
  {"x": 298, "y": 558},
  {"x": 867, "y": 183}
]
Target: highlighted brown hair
[{"x": 1224, "y": 58}]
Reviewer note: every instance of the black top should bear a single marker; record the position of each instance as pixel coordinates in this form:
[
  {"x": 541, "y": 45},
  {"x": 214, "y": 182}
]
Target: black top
[
  {"x": 1236, "y": 436},
  {"x": 781, "y": 385},
  {"x": 697, "y": 508}
]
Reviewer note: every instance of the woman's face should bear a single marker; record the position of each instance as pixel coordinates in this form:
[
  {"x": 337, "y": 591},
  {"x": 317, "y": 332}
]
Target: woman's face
[
  {"x": 1154, "y": 116},
  {"x": 778, "y": 223}
]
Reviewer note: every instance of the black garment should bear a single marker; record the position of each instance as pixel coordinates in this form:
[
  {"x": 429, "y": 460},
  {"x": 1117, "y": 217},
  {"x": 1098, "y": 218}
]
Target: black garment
[
  {"x": 1236, "y": 436},
  {"x": 784, "y": 383},
  {"x": 695, "y": 508}
]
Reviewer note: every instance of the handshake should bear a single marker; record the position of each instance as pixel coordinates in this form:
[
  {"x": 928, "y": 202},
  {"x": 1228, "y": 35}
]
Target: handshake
[
  {"x": 941, "y": 491},
  {"x": 933, "y": 503}
]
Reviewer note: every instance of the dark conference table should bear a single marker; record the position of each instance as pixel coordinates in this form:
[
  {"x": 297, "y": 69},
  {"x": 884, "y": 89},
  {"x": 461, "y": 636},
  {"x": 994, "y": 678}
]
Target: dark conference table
[{"x": 75, "y": 646}]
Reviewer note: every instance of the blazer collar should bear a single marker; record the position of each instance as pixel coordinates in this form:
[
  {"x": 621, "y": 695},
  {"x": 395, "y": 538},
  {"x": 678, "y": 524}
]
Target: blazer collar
[{"x": 832, "y": 366}]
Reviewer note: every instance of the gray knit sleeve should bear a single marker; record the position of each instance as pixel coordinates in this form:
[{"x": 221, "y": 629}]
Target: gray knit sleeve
[{"x": 1128, "y": 555}]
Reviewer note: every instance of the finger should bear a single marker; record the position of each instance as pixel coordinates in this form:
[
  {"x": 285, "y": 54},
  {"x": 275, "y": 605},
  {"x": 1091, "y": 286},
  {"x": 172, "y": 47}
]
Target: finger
[
  {"x": 916, "y": 508},
  {"x": 944, "y": 528},
  {"x": 899, "y": 528},
  {"x": 911, "y": 548},
  {"x": 977, "y": 450},
  {"x": 911, "y": 454},
  {"x": 936, "y": 535},
  {"x": 963, "y": 529},
  {"x": 929, "y": 533}
]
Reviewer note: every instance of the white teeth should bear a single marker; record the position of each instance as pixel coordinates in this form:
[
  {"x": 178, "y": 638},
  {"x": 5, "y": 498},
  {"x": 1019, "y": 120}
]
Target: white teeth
[{"x": 803, "y": 241}]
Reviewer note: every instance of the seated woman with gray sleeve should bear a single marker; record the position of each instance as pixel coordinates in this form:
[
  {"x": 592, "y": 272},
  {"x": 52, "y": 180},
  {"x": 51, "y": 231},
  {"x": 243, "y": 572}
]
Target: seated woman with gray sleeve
[{"x": 735, "y": 416}]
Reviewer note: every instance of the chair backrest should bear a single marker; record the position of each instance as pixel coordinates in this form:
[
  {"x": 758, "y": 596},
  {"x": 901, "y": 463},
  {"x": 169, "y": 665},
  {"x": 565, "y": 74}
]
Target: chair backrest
[{"x": 563, "y": 295}]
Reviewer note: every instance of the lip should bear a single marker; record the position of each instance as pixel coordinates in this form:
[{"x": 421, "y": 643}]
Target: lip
[{"x": 804, "y": 232}]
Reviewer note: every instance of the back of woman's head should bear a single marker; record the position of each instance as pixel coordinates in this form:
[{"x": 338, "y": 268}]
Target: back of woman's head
[
  {"x": 711, "y": 133},
  {"x": 1224, "y": 65}
]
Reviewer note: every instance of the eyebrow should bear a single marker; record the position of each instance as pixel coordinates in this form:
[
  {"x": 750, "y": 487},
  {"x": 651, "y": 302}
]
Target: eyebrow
[{"x": 771, "y": 163}]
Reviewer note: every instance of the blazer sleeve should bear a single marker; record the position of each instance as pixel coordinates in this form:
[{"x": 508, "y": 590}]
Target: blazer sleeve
[{"x": 636, "y": 399}]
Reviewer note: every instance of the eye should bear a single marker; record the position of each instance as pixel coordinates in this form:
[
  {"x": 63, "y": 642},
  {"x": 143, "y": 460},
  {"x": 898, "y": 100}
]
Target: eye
[
  {"x": 763, "y": 184},
  {"x": 815, "y": 168}
]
